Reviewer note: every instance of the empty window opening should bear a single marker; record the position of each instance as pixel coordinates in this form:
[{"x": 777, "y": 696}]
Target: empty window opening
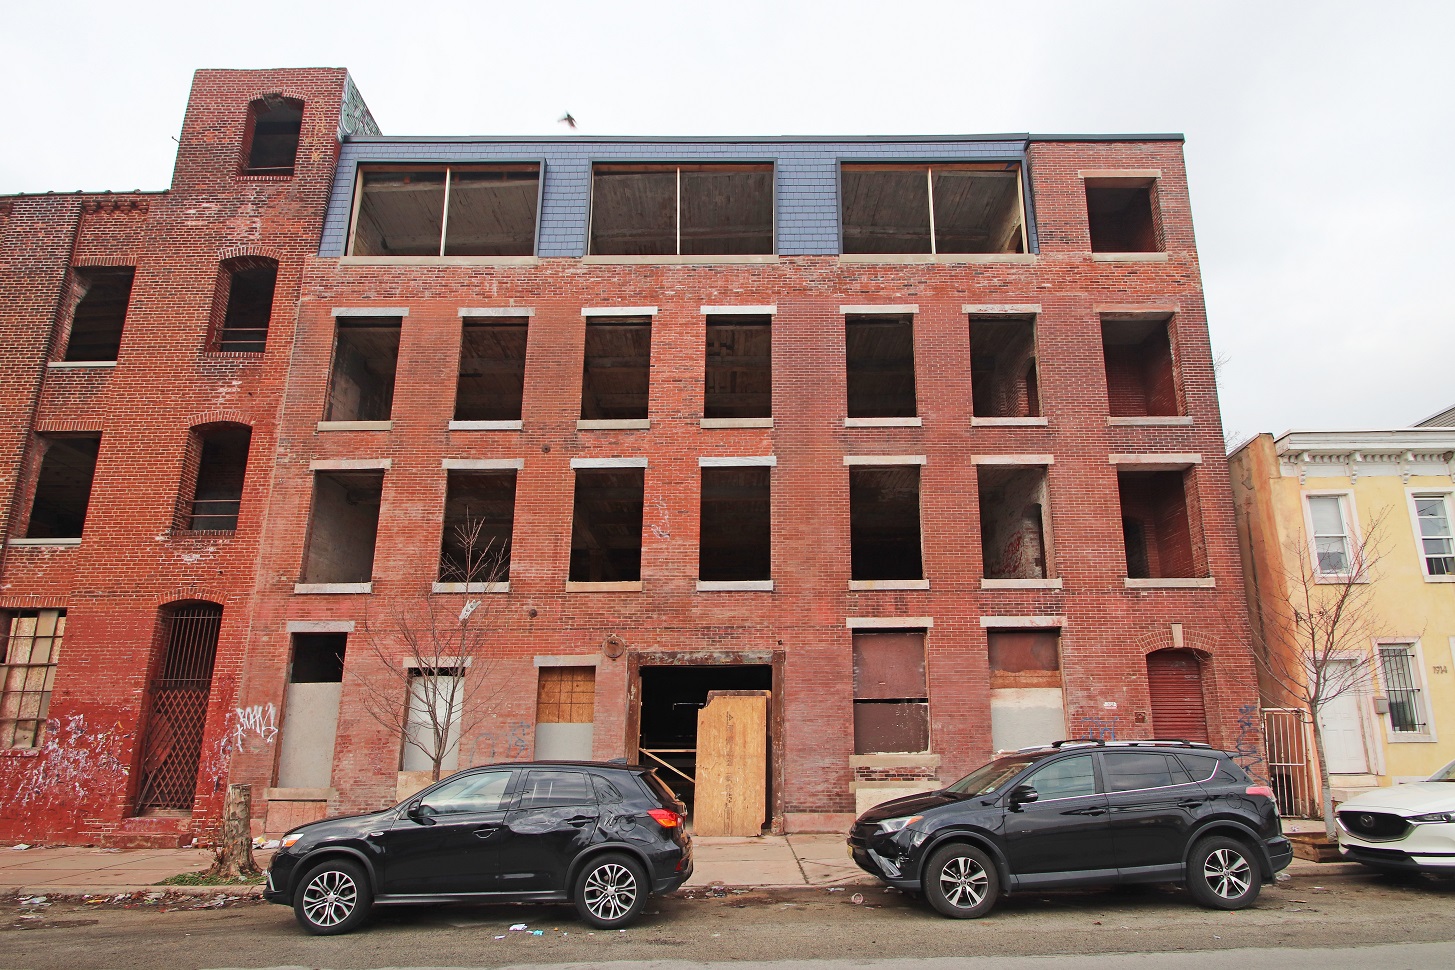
[
  {"x": 879, "y": 360},
  {"x": 310, "y": 710},
  {"x": 1157, "y": 525},
  {"x": 491, "y": 383},
  {"x": 63, "y": 487},
  {"x": 365, "y": 358},
  {"x": 1141, "y": 378},
  {"x": 681, "y": 210},
  {"x": 931, "y": 209},
  {"x": 1003, "y": 382},
  {"x": 245, "y": 300},
  {"x": 478, "y": 210},
  {"x": 101, "y": 294},
  {"x": 274, "y": 123},
  {"x": 891, "y": 700},
  {"x": 617, "y": 370},
  {"x": 222, "y": 464},
  {"x": 178, "y": 703},
  {"x": 343, "y": 527},
  {"x": 739, "y": 372},
  {"x": 1015, "y": 534},
  {"x": 479, "y": 518},
  {"x": 606, "y": 526},
  {"x": 1027, "y": 705},
  {"x": 32, "y": 648},
  {"x": 1123, "y": 217},
  {"x": 432, "y": 720},
  {"x": 736, "y": 531},
  {"x": 884, "y": 526}
]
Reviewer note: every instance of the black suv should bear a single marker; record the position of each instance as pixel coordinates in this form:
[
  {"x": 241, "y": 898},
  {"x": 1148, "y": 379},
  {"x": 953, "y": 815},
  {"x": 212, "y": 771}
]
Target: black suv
[
  {"x": 1080, "y": 813},
  {"x": 602, "y": 836}
]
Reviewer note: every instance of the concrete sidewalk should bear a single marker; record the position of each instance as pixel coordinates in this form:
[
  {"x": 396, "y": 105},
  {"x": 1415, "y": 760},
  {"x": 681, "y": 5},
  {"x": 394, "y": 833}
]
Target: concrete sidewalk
[{"x": 777, "y": 861}]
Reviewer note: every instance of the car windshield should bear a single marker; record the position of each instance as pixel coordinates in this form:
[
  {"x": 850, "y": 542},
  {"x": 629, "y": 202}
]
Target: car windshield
[
  {"x": 990, "y": 778},
  {"x": 1446, "y": 773}
]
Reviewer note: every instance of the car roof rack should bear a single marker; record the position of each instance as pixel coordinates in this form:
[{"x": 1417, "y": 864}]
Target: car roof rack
[
  {"x": 1160, "y": 742},
  {"x": 1066, "y": 742}
]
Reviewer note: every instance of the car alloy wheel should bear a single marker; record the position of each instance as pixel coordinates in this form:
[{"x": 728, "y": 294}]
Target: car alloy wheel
[
  {"x": 1222, "y": 873},
  {"x": 333, "y": 898},
  {"x": 1227, "y": 873},
  {"x": 610, "y": 891},
  {"x": 961, "y": 881}
]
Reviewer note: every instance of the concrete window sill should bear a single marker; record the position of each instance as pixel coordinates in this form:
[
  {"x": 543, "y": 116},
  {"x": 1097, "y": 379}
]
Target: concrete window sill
[
  {"x": 735, "y": 586},
  {"x": 626, "y": 587},
  {"x": 311, "y": 589},
  {"x": 469, "y": 587},
  {"x": 1129, "y": 257},
  {"x": 677, "y": 260},
  {"x": 937, "y": 258},
  {"x": 356, "y": 426},
  {"x": 79, "y": 364},
  {"x": 1150, "y": 421},
  {"x": 884, "y": 422},
  {"x": 613, "y": 424},
  {"x": 42, "y": 543},
  {"x": 437, "y": 260},
  {"x": 486, "y": 425},
  {"x": 1189, "y": 582},
  {"x": 1020, "y": 583},
  {"x": 887, "y": 584},
  {"x": 736, "y": 423},
  {"x": 1009, "y": 422}
]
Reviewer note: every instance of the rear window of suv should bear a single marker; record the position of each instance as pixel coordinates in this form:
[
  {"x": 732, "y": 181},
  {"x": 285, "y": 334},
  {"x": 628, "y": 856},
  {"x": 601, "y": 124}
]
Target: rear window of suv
[
  {"x": 659, "y": 788},
  {"x": 1136, "y": 770}
]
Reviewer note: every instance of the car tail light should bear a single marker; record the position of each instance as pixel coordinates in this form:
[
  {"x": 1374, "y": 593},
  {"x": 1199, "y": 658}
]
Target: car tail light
[
  {"x": 666, "y": 818},
  {"x": 1262, "y": 790}
]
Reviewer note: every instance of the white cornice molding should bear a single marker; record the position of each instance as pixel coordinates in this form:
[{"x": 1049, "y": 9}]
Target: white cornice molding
[{"x": 1402, "y": 451}]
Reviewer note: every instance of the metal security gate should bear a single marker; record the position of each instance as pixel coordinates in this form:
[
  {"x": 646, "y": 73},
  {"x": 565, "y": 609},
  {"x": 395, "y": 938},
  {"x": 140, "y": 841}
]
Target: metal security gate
[
  {"x": 1174, "y": 680},
  {"x": 1286, "y": 737},
  {"x": 177, "y": 708}
]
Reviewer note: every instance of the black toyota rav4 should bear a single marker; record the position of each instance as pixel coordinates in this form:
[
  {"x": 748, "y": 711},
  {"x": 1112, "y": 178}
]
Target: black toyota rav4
[
  {"x": 1081, "y": 813},
  {"x": 602, "y": 836}
]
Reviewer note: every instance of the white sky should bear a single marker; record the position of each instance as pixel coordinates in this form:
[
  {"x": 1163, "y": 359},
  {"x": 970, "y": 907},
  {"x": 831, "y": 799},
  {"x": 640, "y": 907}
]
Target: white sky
[{"x": 1319, "y": 135}]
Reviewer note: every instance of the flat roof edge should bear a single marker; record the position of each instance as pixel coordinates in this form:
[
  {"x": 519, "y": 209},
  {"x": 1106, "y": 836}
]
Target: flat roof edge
[
  {"x": 680, "y": 139},
  {"x": 1153, "y": 136},
  {"x": 85, "y": 193}
]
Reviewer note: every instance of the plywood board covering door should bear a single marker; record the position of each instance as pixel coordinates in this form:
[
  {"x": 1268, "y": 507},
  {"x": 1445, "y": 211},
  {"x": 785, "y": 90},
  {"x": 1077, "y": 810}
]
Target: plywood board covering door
[
  {"x": 565, "y": 713},
  {"x": 732, "y": 763}
]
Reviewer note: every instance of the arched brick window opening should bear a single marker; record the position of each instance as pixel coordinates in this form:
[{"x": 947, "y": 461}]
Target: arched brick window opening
[
  {"x": 243, "y": 304},
  {"x": 212, "y": 478},
  {"x": 176, "y": 707},
  {"x": 270, "y": 145}
]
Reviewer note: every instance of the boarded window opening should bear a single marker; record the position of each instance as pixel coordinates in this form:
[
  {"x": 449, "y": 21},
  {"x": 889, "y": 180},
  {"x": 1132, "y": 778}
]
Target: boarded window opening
[
  {"x": 1141, "y": 377},
  {"x": 1027, "y": 704},
  {"x": 479, "y": 210},
  {"x": 616, "y": 373},
  {"x": 479, "y": 519},
  {"x": 879, "y": 358},
  {"x": 739, "y": 372},
  {"x": 436, "y": 701},
  {"x": 1015, "y": 535},
  {"x": 343, "y": 527},
  {"x": 1157, "y": 525},
  {"x": 491, "y": 382},
  {"x": 102, "y": 295},
  {"x": 951, "y": 208},
  {"x": 245, "y": 296},
  {"x": 565, "y": 713},
  {"x": 221, "y": 469},
  {"x": 274, "y": 124},
  {"x": 1003, "y": 381},
  {"x": 1122, "y": 214},
  {"x": 884, "y": 524},
  {"x": 606, "y": 526},
  {"x": 32, "y": 649},
  {"x": 63, "y": 487},
  {"x": 365, "y": 358},
  {"x": 310, "y": 710},
  {"x": 891, "y": 700},
  {"x": 736, "y": 533},
  {"x": 687, "y": 210}
]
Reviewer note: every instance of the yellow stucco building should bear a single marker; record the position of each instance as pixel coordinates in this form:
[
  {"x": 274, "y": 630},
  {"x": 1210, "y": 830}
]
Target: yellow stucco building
[{"x": 1307, "y": 504}]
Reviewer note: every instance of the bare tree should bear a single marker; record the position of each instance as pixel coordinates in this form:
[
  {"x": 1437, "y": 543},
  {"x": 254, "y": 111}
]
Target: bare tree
[
  {"x": 1317, "y": 644},
  {"x": 431, "y": 682}
]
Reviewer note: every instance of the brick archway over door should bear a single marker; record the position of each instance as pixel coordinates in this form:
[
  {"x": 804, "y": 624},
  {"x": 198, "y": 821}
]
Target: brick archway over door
[{"x": 1174, "y": 679}]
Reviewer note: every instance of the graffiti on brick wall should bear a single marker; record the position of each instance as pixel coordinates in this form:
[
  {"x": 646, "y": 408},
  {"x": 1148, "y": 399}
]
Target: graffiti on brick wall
[
  {"x": 510, "y": 743},
  {"x": 663, "y": 531},
  {"x": 78, "y": 764},
  {"x": 1247, "y": 751},
  {"x": 248, "y": 729},
  {"x": 257, "y": 722},
  {"x": 1098, "y": 727}
]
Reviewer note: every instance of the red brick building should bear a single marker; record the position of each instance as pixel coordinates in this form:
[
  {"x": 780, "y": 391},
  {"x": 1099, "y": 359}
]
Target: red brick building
[{"x": 919, "y": 435}]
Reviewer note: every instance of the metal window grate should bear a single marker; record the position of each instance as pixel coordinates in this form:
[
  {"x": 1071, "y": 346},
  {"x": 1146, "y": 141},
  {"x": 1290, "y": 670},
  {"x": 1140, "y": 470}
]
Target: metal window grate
[
  {"x": 1402, "y": 690},
  {"x": 214, "y": 514},
  {"x": 33, "y": 643},
  {"x": 178, "y": 700}
]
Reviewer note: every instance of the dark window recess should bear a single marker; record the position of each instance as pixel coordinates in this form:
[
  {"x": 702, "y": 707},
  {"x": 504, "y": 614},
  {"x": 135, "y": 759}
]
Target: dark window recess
[
  {"x": 491, "y": 211},
  {"x": 616, "y": 374},
  {"x": 318, "y": 658},
  {"x": 891, "y": 702},
  {"x": 1141, "y": 378},
  {"x": 606, "y": 526},
  {"x": 688, "y": 210},
  {"x": 222, "y": 465},
  {"x": 101, "y": 294},
  {"x": 879, "y": 361},
  {"x": 1024, "y": 658},
  {"x": 479, "y": 518},
  {"x": 492, "y": 370},
  {"x": 952, "y": 208},
  {"x": 1003, "y": 380},
  {"x": 1122, "y": 215},
  {"x": 245, "y": 303},
  {"x": 63, "y": 486},
  {"x": 1015, "y": 541},
  {"x": 884, "y": 526},
  {"x": 1157, "y": 525},
  {"x": 274, "y": 123},
  {"x": 736, "y": 533},
  {"x": 739, "y": 372},
  {"x": 365, "y": 357},
  {"x": 343, "y": 527}
]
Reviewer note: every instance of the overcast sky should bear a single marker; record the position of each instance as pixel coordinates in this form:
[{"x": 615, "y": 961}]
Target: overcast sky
[{"x": 1319, "y": 134}]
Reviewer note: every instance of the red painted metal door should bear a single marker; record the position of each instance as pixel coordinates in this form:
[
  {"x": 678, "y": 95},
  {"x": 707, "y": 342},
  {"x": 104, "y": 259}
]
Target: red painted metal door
[{"x": 1174, "y": 678}]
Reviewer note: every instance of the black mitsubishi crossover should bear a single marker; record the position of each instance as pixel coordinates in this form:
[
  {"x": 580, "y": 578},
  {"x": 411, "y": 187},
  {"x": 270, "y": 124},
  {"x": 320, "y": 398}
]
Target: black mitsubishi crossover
[
  {"x": 601, "y": 836},
  {"x": 1080, "y": 813}
]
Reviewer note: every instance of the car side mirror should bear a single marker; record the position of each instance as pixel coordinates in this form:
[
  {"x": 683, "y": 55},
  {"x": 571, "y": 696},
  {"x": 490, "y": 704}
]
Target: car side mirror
[
  {"x": 1021, "y": 795},
  {"x": 417, "y": 811}
]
